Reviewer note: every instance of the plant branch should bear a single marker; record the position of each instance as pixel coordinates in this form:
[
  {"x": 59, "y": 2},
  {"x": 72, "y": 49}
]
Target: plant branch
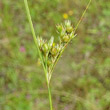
[
  {"x": 50, "y": 97},
  {"x": 40, "y": 54},
  {"x": 81, "y": 18},
  {"x": 33, "y": 31}
]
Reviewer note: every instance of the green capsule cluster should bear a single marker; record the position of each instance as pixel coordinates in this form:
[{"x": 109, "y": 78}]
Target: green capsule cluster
[
  {"x": 65, "y": 32},
  {"x": 51, "y": 50}
]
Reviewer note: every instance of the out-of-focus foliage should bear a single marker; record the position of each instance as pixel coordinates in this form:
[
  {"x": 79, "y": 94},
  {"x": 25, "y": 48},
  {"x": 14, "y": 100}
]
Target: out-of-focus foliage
[{"x": 81, "y": 80}]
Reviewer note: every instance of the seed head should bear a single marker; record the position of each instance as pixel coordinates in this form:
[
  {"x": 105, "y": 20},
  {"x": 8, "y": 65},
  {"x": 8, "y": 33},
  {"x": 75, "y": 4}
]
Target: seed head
[
  {"x": 69, "y": 29},
  {"x": 54, "y": 51},
  {"x": 50, "y": 51}
]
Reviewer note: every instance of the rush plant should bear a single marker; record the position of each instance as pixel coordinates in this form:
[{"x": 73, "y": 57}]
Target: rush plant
[{"x": 49, "y": 51}]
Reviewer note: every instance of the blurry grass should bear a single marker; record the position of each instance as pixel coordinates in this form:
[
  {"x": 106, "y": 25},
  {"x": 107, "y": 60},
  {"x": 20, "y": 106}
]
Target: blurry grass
[{"x": 83, "y": 84}]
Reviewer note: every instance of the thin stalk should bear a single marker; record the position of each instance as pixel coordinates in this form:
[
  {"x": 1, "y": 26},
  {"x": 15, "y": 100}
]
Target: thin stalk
[
  {"x": 36, "y": 42},
  {"x": 33, "y": 31},
  {"x": 81, "y": 18},
  {"x": 50, "y": 97}
]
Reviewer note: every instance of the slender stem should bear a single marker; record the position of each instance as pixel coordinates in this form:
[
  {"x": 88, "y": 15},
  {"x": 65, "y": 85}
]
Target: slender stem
[
  {"x": 50, "y": 97},
  {"x": 33, "y": 31},
  {"x": 81, "y": 18},
  {"x": 36, "y": 42}
]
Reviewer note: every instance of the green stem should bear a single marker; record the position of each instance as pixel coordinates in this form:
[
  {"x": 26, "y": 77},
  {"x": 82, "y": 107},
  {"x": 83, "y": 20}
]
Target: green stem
[
  {"x": 50, "y": 97},
  {"x": 36, "y": 42},
  {"x": 81, "y": 18},
  {"x": 33, "y": 32}
]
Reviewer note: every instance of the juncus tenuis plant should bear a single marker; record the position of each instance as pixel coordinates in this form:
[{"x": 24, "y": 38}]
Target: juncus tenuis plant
[{"x": 49, "y": 51}]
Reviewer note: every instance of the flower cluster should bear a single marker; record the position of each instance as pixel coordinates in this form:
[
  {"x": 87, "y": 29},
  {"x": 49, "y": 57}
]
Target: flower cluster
[
  {"x": 50, "y": 50},
  {"x": 65, "y": 32}
]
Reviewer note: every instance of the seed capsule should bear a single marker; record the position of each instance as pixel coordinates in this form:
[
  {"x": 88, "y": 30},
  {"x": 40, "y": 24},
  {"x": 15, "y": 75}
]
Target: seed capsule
[
  {"x": 54, "y": 51},
  {"x": 65, "y": 39},
  {"x": 69, "y": 29},
  {"x": 45, "y": 48}
]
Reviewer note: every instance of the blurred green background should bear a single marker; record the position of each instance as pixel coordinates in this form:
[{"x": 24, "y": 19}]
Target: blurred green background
[{"x": 81, "y": 80}]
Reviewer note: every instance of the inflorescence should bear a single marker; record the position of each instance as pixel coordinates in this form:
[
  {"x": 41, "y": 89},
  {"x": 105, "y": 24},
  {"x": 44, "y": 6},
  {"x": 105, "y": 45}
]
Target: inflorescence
[{"x": 50, "y": 50}]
